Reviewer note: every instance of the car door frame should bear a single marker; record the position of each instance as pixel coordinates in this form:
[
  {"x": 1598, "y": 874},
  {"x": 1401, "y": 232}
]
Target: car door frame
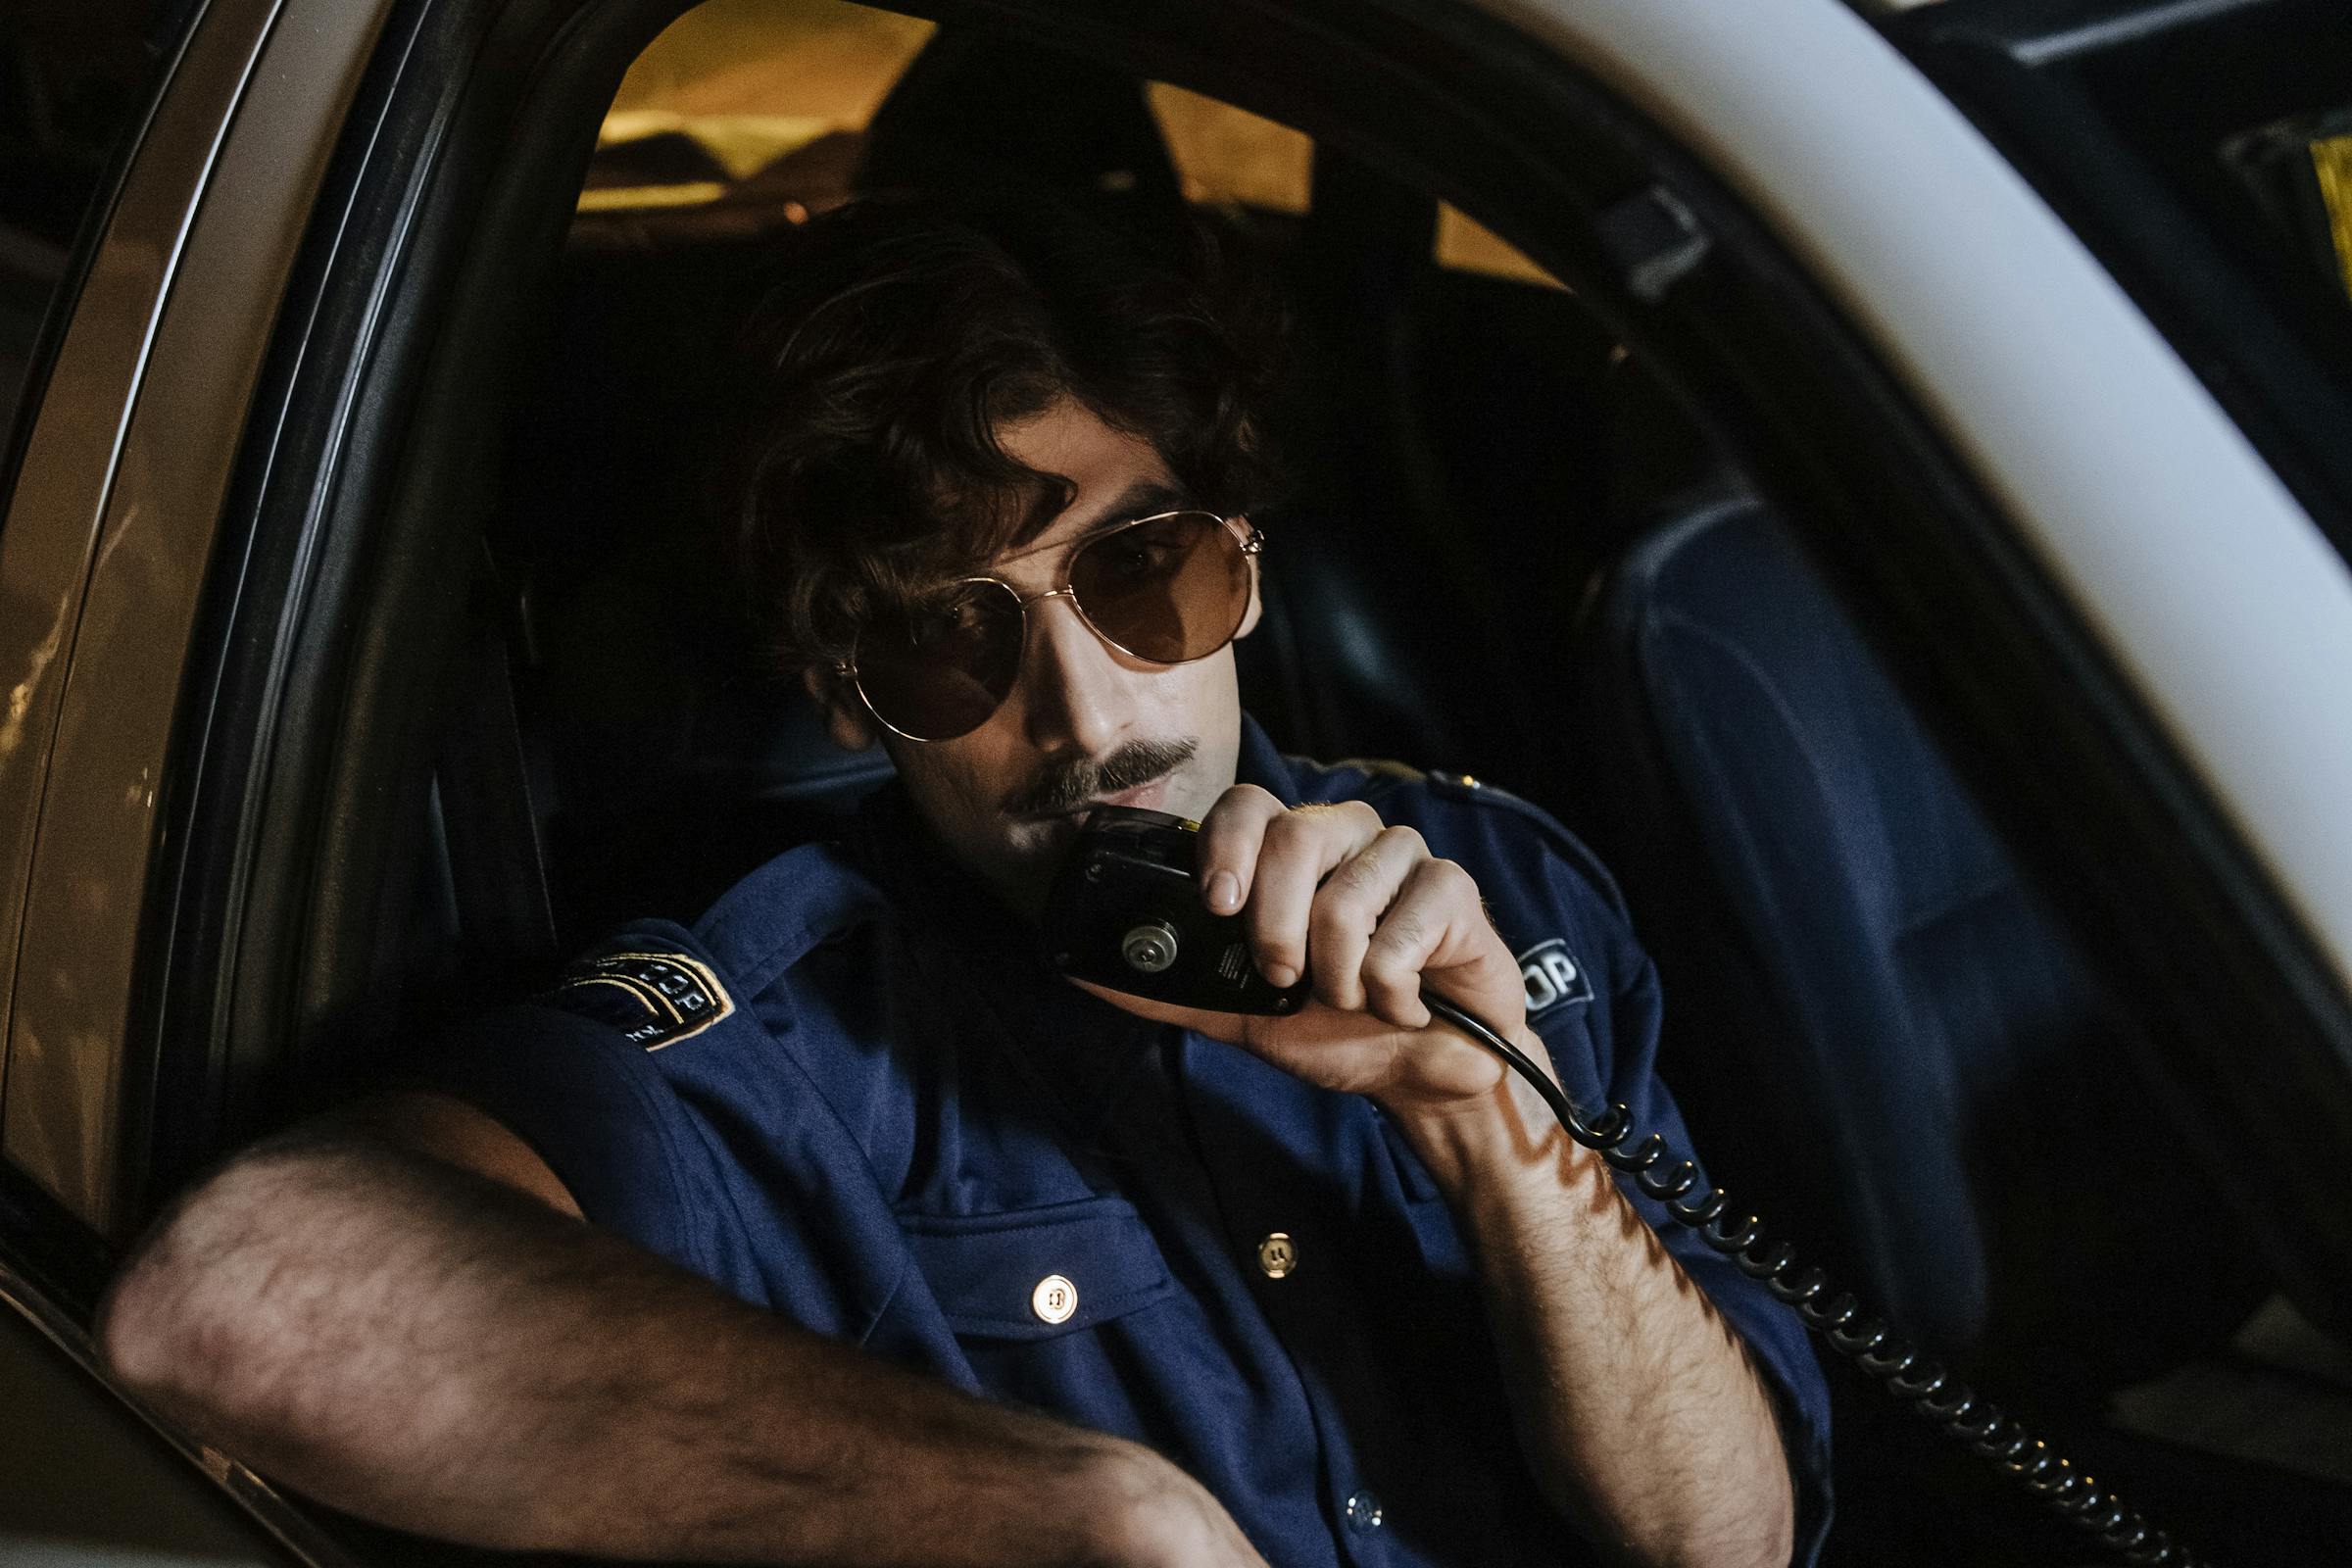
[
  {"x": 2161, "y": 747},
  {"x": 235, "y": 813}
]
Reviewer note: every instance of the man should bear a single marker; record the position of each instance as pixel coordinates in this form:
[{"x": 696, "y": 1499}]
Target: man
[{"x": 900, "y": 1249}]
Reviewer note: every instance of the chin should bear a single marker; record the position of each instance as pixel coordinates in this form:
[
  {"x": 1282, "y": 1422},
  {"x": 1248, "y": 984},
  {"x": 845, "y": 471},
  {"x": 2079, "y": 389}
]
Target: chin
[{"x": 1026, "y": 858}]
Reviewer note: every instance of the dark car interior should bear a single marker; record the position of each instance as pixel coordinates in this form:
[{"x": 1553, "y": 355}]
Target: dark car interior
[
  {"x": 1512, "y": 548},
  {"x": 1877, "y": 1027}
]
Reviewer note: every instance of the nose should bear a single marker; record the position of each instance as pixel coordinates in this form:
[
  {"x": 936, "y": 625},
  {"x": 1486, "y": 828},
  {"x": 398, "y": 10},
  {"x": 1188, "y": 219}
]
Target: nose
[{"x": 1074, "y": 687}]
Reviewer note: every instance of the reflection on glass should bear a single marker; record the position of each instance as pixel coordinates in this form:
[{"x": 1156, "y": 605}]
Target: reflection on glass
[
  {"x": 1464, "y": 243},
  {"x": 1229, "y": 156},
  {"x": 2331, "y": 161},
  {"x": 759, "y": 100}
]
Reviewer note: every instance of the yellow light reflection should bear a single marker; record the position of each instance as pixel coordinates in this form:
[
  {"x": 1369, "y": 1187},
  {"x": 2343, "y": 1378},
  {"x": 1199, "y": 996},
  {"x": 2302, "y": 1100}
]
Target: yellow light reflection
[
  {"x": 818, "y": 58},
  {"x": 1230, "y": 157},
  {"x": 1466, "y": 243},
  {"x": 742, "y": 144},
  {"x": 618, "y": 198},
  {"x": 752, "y": 82},
  {"x": 2332, "y": 158}
]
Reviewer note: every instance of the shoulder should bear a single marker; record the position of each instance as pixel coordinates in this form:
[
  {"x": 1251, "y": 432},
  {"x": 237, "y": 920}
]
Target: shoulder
[
  {"x": 656, "y": 983},
  {"x": 1463, "y": 818},
  {"x": 796, "y": 903}
]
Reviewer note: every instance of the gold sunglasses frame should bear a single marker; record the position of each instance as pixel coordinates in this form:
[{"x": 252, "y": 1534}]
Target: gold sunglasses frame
[{"x": 1251, "y": 537}]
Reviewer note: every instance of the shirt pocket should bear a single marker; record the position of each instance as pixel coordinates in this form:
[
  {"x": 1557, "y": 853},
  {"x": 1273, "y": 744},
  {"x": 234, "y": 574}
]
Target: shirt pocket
[
  {"x": 1038, "y": 1273},
  {"x": 1425, "y": 1213}
]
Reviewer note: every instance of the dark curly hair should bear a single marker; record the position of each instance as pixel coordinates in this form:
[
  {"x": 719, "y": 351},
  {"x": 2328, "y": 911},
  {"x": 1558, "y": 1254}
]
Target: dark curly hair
[{"x": 898, "y": 337}]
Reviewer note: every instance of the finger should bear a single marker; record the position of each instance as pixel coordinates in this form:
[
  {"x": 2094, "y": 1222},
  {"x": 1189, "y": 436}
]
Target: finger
[
  {"x": 1230, "y": 835},
  {"x": 1298, "y": 849},
  {"x": 1226, "y": 1026},
  {"x": 1348, "y": 909},
  {"x": 1436, "y": 916}
]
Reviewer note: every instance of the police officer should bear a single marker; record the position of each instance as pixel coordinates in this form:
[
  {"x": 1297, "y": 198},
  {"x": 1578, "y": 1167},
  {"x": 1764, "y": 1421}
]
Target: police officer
[{"x": 838, "y": 1228}]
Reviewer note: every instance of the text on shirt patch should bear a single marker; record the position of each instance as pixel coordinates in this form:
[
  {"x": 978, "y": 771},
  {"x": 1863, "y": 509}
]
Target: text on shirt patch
[
  {"x": 1554, "y": 978},
  {"x": 654, "y": 998}
]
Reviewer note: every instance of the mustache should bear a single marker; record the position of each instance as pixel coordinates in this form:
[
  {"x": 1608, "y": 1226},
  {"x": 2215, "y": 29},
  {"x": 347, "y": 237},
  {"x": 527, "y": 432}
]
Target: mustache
[{"x": 1066, "y": 786}]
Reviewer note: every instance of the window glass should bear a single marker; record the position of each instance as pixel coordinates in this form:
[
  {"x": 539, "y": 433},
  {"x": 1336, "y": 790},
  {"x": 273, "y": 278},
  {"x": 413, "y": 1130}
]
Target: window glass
[
  {"x": 2332, "y": 163},
  {"x": 73, "y": 81},
  {"x": 1470, "y": 246},
  {"x": 1228, "y": 157},
  {"x": 2299, "y": 173},
  {"x": 756, "y": 105}
]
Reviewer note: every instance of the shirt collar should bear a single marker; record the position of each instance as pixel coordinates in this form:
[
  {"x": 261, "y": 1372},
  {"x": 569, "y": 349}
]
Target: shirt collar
[
  {"x": 1259, "y": 763},
  {"x": 1084, "y": 1051}
]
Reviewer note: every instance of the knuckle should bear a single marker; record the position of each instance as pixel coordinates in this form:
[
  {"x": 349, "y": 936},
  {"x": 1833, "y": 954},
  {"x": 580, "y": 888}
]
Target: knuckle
[
  {"x": 1402, "y": 931},
  {"x": 1451, "y": 876},
  {"x": 1354, "y": 878},
  {"x": 1330, "y": 921},
  {"x": 1242, "y": 796},
  {"x": 1290, "y": 828},
  {"x": 1237, "y": 807}
]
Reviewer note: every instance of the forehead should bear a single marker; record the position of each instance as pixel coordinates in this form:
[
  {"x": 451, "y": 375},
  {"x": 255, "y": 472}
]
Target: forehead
[
  {"x": 1081, "y": 522},
  {"x": 1113, "y": 476}
]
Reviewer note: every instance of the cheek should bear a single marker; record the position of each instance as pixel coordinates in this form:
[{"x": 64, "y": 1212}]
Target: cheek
[
  {"x": 944, "y": 778},
  {"x": 1206, "y": 705},
  {"x": 1207, "y": 697}
]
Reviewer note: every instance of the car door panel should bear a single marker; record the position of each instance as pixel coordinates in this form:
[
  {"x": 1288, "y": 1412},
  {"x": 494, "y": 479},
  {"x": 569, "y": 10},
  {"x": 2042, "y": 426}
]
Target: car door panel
[
  {"x": 95, "y": 1482},
  {"x": 205, "y": 251}
]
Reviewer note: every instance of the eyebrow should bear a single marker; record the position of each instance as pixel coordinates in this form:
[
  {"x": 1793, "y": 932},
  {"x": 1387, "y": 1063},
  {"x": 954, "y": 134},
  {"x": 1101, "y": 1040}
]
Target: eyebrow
[{"x": 1145, "y": 498}]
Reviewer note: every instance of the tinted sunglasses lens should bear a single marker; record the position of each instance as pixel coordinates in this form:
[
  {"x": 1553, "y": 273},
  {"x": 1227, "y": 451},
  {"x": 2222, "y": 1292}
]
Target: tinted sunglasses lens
[
  {"x": 937, "y": 668},
  {"x": 1167, "y": 589}
]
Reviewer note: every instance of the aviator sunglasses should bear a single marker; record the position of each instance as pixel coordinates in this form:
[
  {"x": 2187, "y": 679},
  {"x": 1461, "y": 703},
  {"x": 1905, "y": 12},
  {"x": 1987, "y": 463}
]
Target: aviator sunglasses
[{"x": 1166, "y": 589}]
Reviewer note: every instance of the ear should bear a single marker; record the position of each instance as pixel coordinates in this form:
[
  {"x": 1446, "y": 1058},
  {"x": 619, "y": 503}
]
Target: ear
[
  {"x": 847, "y": 722},
  {"x": 1256, "y": 604}
]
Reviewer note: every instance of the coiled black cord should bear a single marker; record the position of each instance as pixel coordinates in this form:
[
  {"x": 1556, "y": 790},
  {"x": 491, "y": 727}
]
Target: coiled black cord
[{"x": 1839, "y": 1318}]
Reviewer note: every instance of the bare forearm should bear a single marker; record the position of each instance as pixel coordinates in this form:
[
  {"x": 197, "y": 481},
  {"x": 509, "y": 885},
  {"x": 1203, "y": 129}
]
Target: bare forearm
[
  {"x": 436, "y": 1351},
  {"x": 1636, "y": 1401}
]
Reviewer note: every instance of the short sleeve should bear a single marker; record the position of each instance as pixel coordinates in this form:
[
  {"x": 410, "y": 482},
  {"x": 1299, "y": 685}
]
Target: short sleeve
[
  {"x": 678, "y": 1110},
  {"x": 594, "y": 1107}
]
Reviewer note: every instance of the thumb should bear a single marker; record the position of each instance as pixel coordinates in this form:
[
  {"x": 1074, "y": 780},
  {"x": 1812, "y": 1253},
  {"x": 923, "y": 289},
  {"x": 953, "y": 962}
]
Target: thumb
[{"x": 1226, "y": 1026}]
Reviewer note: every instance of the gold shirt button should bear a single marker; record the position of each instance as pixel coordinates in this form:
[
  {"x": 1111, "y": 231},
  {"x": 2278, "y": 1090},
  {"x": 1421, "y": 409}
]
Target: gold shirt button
[
  {"x": 1053, "y": 1299},
  {"x": 1277, "y": 1255}
]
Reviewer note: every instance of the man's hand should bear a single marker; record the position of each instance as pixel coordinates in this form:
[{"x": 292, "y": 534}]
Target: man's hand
[
  {"x": 1625, "y": 1382},
  {"x": 1368, "y": 915}
]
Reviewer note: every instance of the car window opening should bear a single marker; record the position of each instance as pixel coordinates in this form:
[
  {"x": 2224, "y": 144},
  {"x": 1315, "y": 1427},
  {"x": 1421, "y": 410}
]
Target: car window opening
[
  {"x": 1456, "y": 407},
  {"x": 1511, "y": 553}
]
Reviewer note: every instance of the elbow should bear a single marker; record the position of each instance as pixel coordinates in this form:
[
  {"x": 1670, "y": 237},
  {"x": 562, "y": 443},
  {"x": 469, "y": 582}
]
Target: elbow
[
  {"x": 176, "y": 1326},
  {"x": 134, "y": 1328}
]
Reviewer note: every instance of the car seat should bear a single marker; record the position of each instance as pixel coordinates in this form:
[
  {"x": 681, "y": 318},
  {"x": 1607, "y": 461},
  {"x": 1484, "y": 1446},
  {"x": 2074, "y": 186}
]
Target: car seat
[{"x": 1882, "y": 1038}]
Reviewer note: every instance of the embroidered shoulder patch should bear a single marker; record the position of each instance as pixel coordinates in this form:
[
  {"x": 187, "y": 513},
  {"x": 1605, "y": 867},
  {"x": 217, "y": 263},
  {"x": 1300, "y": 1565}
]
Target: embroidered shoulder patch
[
  {"x": 1554, "y": 978},
  {"x": 654, "y": 998}
]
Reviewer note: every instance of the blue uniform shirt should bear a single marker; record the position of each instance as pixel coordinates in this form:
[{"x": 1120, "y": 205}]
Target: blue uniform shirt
[{"x": 855, "y": 1093}]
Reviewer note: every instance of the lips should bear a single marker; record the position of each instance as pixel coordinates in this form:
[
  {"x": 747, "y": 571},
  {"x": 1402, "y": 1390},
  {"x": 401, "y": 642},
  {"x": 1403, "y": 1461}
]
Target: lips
[
  {"x": 1146, "y": 796},
  {"x": 1077, "y": 785},
  {"x": 1142, "y": 795}
]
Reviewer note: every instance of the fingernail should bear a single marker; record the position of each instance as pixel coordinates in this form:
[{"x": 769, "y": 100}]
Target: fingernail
[
  {"x": 1224, "y": 891},
  {"x": 1281, "y": 974}
]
